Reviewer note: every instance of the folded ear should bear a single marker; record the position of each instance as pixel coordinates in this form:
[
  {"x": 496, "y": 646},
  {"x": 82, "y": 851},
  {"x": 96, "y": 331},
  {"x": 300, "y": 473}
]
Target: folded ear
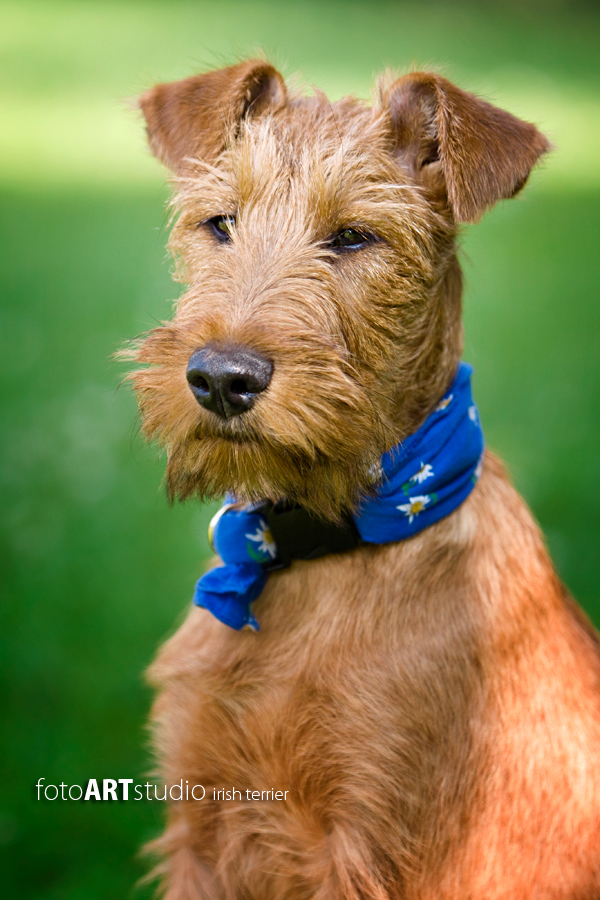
[
  {"x": 480, "y": 153},
  {"x": 196, "y": 117}
]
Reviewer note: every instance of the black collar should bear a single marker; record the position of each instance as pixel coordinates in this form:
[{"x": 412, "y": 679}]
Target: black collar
[{"x": 299, "y": 534}]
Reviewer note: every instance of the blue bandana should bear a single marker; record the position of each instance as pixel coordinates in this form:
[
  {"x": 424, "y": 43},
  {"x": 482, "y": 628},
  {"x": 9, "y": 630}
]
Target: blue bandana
[{"x": 423, "y": 479}]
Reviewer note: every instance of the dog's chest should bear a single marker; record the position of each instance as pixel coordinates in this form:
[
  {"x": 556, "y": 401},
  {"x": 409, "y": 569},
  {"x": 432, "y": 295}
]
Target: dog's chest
[{"x": 333, "y": 670}]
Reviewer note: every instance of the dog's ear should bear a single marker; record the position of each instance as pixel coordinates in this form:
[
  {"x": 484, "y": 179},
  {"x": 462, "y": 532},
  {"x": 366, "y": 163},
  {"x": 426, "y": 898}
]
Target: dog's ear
[
  {"x": 454, "y": 141},
  {"x": 196, "y": 117}
]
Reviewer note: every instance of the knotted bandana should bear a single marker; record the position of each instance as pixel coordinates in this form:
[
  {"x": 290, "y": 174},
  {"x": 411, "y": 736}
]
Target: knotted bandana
[{"x": 423, "y": 479}]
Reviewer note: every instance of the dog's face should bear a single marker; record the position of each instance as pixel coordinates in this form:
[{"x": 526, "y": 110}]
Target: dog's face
[{"x": 322, "y": 316}]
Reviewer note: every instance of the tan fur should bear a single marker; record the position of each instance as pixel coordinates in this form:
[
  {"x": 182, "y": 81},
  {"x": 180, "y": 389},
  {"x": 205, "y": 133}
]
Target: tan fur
[{"x": 433, "y": 705}]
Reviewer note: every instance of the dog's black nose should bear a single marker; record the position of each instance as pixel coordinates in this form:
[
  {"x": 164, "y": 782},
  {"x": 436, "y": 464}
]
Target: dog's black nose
[{"x": 228, "y": 380}]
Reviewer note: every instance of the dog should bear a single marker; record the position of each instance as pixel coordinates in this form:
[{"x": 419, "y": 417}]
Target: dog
[{"x": 405, "y": 666}]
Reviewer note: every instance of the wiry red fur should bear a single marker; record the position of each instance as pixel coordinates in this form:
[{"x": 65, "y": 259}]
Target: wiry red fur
[{"x": 432, "y": 706}]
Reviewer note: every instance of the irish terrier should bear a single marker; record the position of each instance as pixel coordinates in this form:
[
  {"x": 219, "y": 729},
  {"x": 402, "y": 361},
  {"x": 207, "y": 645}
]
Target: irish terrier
[{"x": 413, "y": 707}]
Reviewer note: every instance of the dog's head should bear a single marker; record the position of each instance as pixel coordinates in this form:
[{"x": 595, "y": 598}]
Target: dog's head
[{"x": 321, "y": 320}]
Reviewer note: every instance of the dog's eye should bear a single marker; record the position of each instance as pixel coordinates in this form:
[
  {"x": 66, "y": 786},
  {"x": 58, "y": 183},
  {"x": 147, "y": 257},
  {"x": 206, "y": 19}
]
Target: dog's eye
[
  {"x": 350, "y": 239},
  {"x": 221, "y": 227}
]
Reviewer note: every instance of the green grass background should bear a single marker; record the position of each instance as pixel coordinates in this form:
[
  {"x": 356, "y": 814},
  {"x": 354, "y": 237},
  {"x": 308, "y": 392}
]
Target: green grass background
[{"x": 96, "y": 568}]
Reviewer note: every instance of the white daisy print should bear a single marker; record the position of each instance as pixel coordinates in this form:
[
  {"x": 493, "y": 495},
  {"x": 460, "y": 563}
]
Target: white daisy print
[
  {"x": 473, "y": 414},
  {"x": 444, "y": 404},
  {"x": 414, "y": 506},
  {"x": 264, "y": 539},
  {"x": 479, "y": 467},
  {"x": 376, "y": 472},
  {"x": 425, "y": 472}
]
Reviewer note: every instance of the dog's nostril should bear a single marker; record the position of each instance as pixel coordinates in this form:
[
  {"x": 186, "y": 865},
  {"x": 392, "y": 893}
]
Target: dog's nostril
[
  {"x": 238, "y": 386},
  {"x": 228, "y": 380},
  {"x": 197, "y": 380}
]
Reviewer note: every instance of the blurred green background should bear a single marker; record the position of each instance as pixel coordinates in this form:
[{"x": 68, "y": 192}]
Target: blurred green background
[{"x": 96, "y": 568}]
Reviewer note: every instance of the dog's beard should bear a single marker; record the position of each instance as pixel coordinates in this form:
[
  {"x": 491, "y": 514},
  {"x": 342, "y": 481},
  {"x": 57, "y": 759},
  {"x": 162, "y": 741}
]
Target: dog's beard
[
  {"x": 317, "y": 447},
  {"x": 323, "y": 470},
  {"x": 255, "y": 470}
]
